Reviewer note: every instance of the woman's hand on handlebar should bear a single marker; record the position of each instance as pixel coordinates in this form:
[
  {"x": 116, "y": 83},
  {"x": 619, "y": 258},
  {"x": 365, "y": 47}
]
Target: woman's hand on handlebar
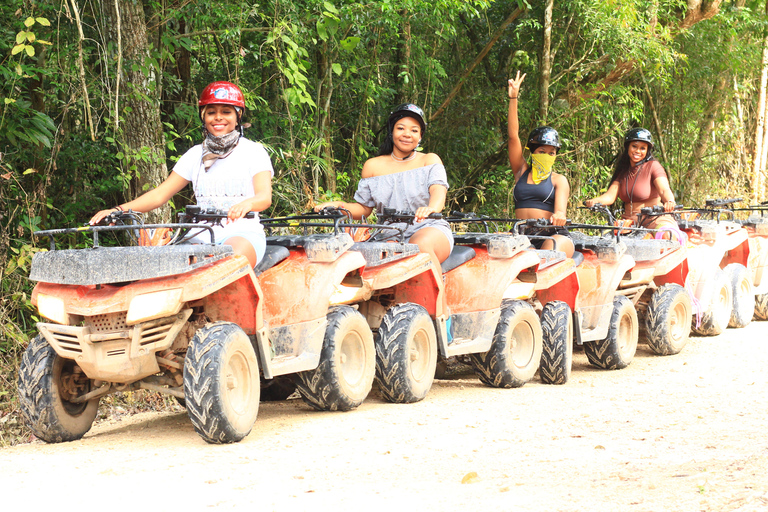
[
  {"x": 240, "y": 210},
  {"x": 558, "y": 219},
  {"x": 589, "y": 203},
  {"x": 329, "y": 204},
  {"x": 103, "y": 214},
  {"x": 669, "y": 206},
  {"x": 422, "y": 213}
]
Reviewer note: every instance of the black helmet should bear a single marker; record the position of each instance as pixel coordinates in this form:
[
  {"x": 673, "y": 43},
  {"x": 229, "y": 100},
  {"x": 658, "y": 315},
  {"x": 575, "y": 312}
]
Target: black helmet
[
  {"x": 640, "y": 134},
  {"x": 543, "y": 136},
  {"x": 407, "y": 110}
]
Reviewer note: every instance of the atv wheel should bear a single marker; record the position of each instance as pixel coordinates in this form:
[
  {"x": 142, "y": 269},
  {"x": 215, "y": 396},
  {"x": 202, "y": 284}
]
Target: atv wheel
[
  {"x": 47, "y": 383},
  {"x": 515, "y": 354},
  {"x": 406, "y": 354},
  {"x": 277, "y": 389},
  {"x": 344, "y": 376},
  {"x": 618, "y": 349},
  {"x": 743, "y": 295},
  {"x": 715, "y": 320},
  {"x": 221, "y": 383},
  {"x": 668, "y": 320},
  {"x": 761, "y": 306},
  {"x": 557, "y": 354}
]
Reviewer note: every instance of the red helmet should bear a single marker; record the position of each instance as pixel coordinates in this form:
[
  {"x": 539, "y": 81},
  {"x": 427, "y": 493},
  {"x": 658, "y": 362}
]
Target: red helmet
[{"x": 222, "y": 93}]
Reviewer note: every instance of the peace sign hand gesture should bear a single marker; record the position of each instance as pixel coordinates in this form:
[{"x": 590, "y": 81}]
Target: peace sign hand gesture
[{"x": 514, "y": 85}]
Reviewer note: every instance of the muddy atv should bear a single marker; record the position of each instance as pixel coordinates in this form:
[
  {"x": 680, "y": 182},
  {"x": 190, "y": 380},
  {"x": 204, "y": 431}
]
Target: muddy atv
[
  {"x": 756, "y": 225},
  {"x": 617, "y": 276},
  {"x": 718, "y": 259},
  {"x": 501, "y": 338},
  {"x": 192, "y": 321},
  {"x": 538, "y": 282},
  {"x": 399, "y": 292}
]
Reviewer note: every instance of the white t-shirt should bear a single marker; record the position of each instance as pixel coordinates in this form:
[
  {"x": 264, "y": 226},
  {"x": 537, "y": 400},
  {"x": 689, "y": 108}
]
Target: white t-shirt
[{"x": 228, "y": 181}]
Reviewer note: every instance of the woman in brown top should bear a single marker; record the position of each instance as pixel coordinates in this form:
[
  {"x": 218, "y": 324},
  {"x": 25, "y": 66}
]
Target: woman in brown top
[{"x": 639, "y": 180}]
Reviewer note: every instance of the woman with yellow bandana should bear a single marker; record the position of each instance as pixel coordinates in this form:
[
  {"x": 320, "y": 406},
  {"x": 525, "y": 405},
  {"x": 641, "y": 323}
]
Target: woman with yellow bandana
[{"x": 539, "y": 192}]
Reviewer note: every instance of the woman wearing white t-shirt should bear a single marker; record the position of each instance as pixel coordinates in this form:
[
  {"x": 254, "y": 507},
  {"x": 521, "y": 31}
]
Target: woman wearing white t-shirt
[{"x": 227, "y": 172}]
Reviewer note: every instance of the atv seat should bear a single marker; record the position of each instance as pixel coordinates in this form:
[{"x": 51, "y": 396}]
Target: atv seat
[
  {"x": 272, "y": 256},
  {"x": 459, "y": 255}
]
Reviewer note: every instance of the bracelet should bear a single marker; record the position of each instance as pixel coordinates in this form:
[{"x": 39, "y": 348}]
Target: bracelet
[
  {"x": 513, "y": 97},
  {"x": 119, "y": 208}
]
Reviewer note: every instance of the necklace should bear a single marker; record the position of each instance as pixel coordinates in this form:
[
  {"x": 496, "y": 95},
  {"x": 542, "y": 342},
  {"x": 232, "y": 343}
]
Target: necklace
[{"x": 404, "y": 159}]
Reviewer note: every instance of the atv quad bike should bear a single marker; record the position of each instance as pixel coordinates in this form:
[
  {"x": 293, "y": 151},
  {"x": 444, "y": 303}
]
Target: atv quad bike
[
  {"x": 192, "y": 321},
  {"x": 718, "y": 259},
  {"x": 756, "y": 225},
  {"x": 618, "y": 275},
  {"x": 536, "y": 283},
  {"x": 399, "y": 291}
]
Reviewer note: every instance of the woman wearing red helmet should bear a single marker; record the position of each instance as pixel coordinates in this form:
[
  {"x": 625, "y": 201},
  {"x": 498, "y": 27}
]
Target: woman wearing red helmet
[
  {"x": 639, "y": 181},
  {"x": 405, "y": 179},
  {"x": 227, "y": 171},
  {"x": 539, "y": 192}
]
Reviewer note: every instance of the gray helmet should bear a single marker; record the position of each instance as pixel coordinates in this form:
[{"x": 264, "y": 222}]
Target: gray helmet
[
  {"x": 638, "y": 134},
  {"x": 543, "y": 136}
]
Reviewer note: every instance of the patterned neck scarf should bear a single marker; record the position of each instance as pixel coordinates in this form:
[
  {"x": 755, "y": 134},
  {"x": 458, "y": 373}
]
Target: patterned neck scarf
[{"x": 218, "y": 147}]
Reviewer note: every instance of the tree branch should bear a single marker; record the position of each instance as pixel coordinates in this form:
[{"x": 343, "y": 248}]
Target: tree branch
[{"x": 495, "y": 37}]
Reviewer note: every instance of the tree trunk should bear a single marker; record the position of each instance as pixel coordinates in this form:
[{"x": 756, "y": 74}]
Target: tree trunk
[
  {"x": 141, "y": 136},
  {"x": 325, "y": 149},
  {"x": 707, "y": 125},
  {"x": 546, "y": 63},
  {"x": 757, "y": 160},
  {"x": 760, "y": 175}
]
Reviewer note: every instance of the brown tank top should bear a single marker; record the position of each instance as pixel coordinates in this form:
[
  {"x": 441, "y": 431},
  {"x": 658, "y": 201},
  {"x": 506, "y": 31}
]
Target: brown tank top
[{"x": 637, "y": 185}]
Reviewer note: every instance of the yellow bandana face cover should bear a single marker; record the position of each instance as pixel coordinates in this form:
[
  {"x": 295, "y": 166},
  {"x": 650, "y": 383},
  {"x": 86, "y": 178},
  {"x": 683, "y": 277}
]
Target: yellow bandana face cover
[{"x": 542, "y": 166}]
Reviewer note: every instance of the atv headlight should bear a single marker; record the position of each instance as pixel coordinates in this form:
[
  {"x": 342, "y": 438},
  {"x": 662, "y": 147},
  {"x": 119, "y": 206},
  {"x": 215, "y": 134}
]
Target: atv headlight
[
  {"x": 153, "y": 305},
  {"x": 52, "y": 308}
]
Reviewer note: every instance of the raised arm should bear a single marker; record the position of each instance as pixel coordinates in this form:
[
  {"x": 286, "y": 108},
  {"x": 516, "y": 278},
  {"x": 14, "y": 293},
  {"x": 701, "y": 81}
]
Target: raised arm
[{"x": 514, "y": 146}]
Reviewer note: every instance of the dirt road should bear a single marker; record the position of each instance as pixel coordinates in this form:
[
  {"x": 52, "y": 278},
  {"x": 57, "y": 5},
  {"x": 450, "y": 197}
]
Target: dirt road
[{"x": 686, "y": 433}]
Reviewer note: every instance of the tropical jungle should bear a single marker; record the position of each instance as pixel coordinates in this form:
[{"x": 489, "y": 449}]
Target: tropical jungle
[{"x": 98, "y": 99}]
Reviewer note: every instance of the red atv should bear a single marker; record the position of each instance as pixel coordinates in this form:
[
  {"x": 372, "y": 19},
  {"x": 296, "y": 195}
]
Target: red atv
[
  {"x": 398, "y": 291},
  {"x": 756, "y": 225},
  {"x": 619, "y": 273},
  {"x": 192, "y": 321},
  {"x": 543, "y": 283},
  {"x": 718, "y": 255}
]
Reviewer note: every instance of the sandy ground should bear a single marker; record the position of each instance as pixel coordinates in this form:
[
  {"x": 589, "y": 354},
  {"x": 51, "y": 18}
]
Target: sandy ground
[{"x": 685, "y": 432}]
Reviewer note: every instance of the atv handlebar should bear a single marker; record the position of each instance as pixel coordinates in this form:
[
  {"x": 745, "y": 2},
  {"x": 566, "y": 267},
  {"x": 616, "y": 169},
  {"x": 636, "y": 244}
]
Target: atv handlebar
[
  {"x": 600, "y": 208},
  {"x": 393, "y": 215},
  {"x": 193, "y": 213},
  {"x": 716, "y": 203}
]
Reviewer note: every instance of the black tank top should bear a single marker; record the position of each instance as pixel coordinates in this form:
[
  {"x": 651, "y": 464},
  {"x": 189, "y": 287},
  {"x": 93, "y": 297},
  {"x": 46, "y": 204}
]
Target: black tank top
[{"x": 541, "y": 196}]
